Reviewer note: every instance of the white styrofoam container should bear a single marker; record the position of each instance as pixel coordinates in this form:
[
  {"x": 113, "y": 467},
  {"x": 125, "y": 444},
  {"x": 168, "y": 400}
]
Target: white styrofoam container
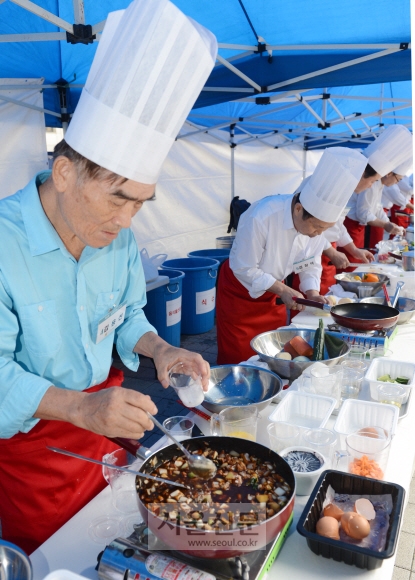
[
  {"x": 304, "y": 410},
  {"x": 395, "y": 368},
  {"x": 355, "y": 414},
  {"x": 64, "y": 575}
]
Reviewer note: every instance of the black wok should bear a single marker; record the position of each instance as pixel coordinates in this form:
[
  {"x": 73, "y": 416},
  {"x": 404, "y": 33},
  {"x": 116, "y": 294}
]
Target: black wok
[
  {"x": 229, "y": 543},
  {"x": 358, "y": 316}
]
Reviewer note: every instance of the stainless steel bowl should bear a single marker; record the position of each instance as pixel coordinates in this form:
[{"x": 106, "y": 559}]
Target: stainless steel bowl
[
  {"x": 354, "y": 286},
  {"x": 269, "y": 344},
  {"x": 406, "y": 307},
  {"x": 14, "y": 563},
  {"x": 239, "y": 386}
]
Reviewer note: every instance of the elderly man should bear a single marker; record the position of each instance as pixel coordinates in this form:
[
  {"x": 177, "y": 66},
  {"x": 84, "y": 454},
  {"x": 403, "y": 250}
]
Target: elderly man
[{"x": 71, "y": 280}]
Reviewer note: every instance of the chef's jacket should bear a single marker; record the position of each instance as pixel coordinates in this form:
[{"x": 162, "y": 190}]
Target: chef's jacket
[
  {"x": 392, "y": 195},
  {"x": 336, "y": 233},
  {"x": 50, "y": 307},
  {"x": 266, "y": 246},
  {"x": 367, "y": 206}
]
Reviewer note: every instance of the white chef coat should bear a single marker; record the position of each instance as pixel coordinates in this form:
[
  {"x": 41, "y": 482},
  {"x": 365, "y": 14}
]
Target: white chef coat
[
  {"x": 393, "y": 196},
  {"x": 267, "y": 244},
  {"x": 367, "y": 206},
  {"x": 336, "y": 233}
]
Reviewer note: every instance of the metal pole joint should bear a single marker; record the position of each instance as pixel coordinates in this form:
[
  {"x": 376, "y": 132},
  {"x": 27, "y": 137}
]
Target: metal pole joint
[{"x": 82, "y": 34}]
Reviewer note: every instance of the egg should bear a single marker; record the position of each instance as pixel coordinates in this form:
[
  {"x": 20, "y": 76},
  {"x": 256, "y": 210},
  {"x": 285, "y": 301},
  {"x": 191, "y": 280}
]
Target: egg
[
  {"x": 364, "y": 508},
  {"x": 333, "y": 511},
  {"x": 328, "y": 527},
  {"x": 355, "y": 525}
]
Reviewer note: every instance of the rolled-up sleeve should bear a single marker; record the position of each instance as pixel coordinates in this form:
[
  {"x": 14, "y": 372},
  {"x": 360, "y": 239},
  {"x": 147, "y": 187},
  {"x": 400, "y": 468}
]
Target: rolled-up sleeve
[
  {"x": 310, "y": 279},
  {"x": 20, "y": 391},
  {"x": 245, "y": 258},
  {"x": 135, "y": 323}
]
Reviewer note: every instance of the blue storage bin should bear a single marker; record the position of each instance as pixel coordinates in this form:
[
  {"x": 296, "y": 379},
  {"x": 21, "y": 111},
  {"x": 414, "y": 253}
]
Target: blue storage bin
[
  {"x": 199, "y": 292},
  {"x": 164, "y": 307},
  {"x": 220, "y": 255}
]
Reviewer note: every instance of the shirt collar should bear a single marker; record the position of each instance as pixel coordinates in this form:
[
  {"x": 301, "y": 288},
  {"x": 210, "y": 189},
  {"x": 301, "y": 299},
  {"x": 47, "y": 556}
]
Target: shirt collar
[
  {"x": 288, "y": 223},
  {"x": 41, "y": 235}
]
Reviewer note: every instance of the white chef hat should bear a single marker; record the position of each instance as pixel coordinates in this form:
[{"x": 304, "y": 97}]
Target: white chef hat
[
  {"x": 334, "y": 180},
  {"x": 150, "y": 66},
  {"x": 390, "y": 149},
  {"x": 404, "y": 167}
]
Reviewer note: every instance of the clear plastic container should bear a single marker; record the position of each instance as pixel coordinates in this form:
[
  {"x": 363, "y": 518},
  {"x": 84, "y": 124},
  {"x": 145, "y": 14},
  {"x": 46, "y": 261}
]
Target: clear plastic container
[
  {"x": 395, "y": 368},
  {"x": 355, "y": 414},
  {"x": 64, "y": 575},
  {"x": 304, "y": 410}
]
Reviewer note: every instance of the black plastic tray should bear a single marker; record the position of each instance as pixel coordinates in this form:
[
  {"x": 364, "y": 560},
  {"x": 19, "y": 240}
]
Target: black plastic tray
[{"x": 340, "y": 551}]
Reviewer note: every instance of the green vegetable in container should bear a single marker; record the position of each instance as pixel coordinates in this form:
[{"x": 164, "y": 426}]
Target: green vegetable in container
[{"x": 318, "y": 346}]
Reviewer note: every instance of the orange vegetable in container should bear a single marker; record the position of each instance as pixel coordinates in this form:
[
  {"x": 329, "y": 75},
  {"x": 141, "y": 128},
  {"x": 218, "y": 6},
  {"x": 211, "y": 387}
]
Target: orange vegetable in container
[
  {"x": 301, "y": 346},
  {"x": 366, "y": 468},
  {"x": 370, "y": 277}
]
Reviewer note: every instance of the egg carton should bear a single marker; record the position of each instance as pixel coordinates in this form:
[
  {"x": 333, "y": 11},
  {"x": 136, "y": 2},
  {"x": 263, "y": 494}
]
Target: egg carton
[
  {"x": 304, "y": 410},
  {"x": 395, "y": 368},
  {"x": 355, "y": 414}
]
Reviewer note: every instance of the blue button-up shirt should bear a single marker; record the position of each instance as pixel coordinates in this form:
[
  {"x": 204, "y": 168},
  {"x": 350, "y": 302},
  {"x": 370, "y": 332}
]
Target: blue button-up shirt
[{"x": 50, "y": 307}]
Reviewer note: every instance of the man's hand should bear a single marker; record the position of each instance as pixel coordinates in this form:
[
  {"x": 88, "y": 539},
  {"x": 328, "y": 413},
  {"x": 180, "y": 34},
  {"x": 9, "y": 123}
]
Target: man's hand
[
  {"x": 339, "y": 260},
  {"x": 393, "y": 229},
  {"x": 286, "y": 296},
  {"x": 363, "y": 255},
  {"x": 165, "y": 356},
  {"x": 113, "y": 412},
  {"x": 314, "y": 295}
]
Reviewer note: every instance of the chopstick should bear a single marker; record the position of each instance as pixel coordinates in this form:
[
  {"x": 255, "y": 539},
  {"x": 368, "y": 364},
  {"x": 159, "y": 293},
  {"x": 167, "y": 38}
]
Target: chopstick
[
  {"x": 196, "y": 411},
  {"x": 388, "y": 300}
]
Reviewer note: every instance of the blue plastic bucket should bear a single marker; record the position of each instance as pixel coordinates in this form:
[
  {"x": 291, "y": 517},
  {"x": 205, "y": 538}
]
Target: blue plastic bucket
[
  {"x": 220, "y": 255},
  {"x": 164, "y": 307},
  {"x": 199, "y": 292}
]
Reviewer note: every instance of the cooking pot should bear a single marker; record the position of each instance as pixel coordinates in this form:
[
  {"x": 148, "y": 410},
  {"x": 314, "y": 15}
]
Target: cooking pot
[
  {"x": 408, "y": 261},
  {"x": 224, "y": 543}
]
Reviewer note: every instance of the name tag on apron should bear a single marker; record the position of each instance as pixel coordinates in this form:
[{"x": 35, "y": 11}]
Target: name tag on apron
[
  {"x": 108, "y": 324},
  {"x": 302, "y": 265}
]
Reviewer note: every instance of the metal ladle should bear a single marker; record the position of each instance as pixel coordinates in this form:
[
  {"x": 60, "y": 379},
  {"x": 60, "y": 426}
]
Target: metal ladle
[
  {"x": 397, "y": 292},
  {"x": 199, "y": 464},
  {"x": 116, "y": 467}
]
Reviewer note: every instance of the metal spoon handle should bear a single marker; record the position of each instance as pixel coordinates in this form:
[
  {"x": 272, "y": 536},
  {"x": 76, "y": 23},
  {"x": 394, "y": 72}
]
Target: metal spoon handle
[
  {"x": 166, "y": 432},
  {"x": 116, "y": 467}
]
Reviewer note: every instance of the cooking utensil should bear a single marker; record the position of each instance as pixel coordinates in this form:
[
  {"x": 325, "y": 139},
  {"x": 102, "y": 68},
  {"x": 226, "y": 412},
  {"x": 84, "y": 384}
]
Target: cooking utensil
[
  {"x": 406, "y": 307},
  {"x": 240, "y": 386},
  {"x": 357, "y": 316},
  {"x": 385, "y": 292},
  {"x": 14, "y": 562},
  {"x": 195, "y": 410},
  {"x": 353, "y": 285},
  {"x": 397, "y": 292},
  {"x": 200, "y": 465},
  {"x": 268, "y": 344},
  {"x": 408, "y": 261},
  {"x": 409, "y": 234},
  {"x": 117, "y": 467},
  {"x": 226, "y": 543}
]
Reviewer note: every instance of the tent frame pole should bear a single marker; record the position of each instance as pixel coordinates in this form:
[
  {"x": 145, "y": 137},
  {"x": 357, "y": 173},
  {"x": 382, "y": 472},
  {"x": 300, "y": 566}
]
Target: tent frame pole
[{"x": 232, "y": 146}]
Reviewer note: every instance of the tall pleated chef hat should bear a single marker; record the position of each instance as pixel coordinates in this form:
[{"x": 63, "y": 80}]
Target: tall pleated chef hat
[
  {"x": 335, "y": 178},
  {"x": 404, "y": 167},
  {"x": 150, "y": 66},
  {"x": 390, "y": 149}
]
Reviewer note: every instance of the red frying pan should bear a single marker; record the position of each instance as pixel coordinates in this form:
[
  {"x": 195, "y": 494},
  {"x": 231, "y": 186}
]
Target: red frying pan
[{"x": 357, "y": 316}]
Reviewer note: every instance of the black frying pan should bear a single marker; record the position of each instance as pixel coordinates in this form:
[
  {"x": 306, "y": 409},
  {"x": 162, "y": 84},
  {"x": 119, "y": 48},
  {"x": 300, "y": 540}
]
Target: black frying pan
[{"x": 358, "y": 316}]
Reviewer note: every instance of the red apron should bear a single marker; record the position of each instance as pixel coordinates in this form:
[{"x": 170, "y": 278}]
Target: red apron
[
  {"x": 239, "y": 317},
  {"x": 41, "y": 490},
  {"x": 328, "y": 273},
  {"x": 400, "y": 220},
  {"x": 376, "y": 234},
  {"x": 356, "y": 231}
]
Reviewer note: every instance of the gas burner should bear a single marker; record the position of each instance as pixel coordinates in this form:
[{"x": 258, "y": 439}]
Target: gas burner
[
  {"x": 343, "y": 329},
  {"x": 129, "y": 555}
]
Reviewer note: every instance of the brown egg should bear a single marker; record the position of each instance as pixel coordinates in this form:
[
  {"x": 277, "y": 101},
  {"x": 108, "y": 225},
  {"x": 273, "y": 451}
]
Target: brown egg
[
  {"x": 333, "y": 511},
  {"x": 328, "y": 527},
  {"x": 355, "y": 526}
]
